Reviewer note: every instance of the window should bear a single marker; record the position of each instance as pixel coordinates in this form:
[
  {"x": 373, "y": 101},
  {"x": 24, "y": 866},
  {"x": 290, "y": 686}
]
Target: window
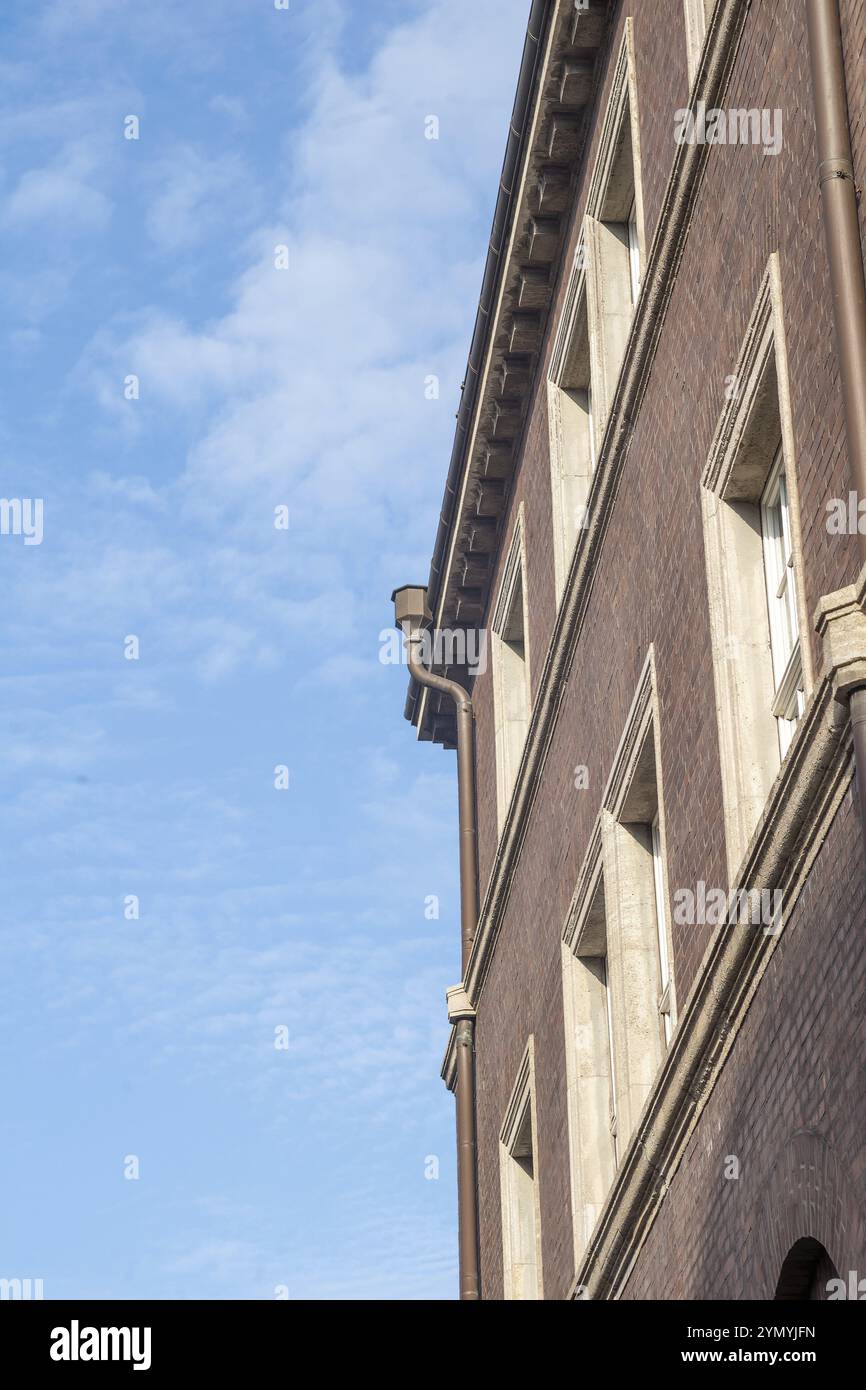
[
  {"x": 521, "y": 1225},
  {"x": 611, "y": 1065},
  {"x": 599, "y": 308},
  {"x": 618, "y": 987},
  {"x": 638, "y": 952},
  {"x": 613, "y": 232},
  {"x": 761, "y": 662},
  {"x": 789, "y": 699},
  {"x": 511, "y": 673},
  {"x": 662, "y": 932},
  {"x": 697, "y": 14},
  {"x": 572, "y": 426},
  {"x": 589, "y": 1011},
  {"x": 634, "y": 253}
]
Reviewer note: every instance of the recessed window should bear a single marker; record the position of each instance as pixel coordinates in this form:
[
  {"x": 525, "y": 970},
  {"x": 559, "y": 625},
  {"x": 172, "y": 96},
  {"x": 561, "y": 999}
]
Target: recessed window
[
  {"x": 511, "y": 674},
  {"x": 573, "y": 436},
  {"x": 619, "y": 1004},
  {"x": 637, "y": 892},
  {"x": 634, "y": 253},
  {"x": 761, "y": 660},
  {"x": 665, "y": 1004},
  {"x": 614, "y": 251},
  {"x": 611, "y": 1063},
  {"x": 638, "y": 953},
  {"x": 593, "y": 332},
  {"x": 590, "y": 1064},
  {"x": 521, "y": 1227},
  {"x": 788, "y": 699},
  {"x": 614, "y": 232}
]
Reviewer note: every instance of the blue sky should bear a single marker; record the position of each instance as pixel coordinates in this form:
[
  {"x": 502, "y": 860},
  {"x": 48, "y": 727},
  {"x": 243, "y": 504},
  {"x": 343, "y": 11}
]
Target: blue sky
[{"x": 258, "y": 388}]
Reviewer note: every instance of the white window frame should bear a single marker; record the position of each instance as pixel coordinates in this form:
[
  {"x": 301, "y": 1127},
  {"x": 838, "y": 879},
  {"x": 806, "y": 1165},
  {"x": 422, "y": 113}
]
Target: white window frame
[
  {"x": 662, "y": 932},
  {"x": 781, "y": 582},
  {"x": 634, "y": 254}
]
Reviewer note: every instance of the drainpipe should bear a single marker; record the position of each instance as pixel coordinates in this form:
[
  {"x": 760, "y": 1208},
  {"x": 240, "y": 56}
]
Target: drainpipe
[
  {"x": 845, "y": 257},
  {"x": 413, "y": 616}
]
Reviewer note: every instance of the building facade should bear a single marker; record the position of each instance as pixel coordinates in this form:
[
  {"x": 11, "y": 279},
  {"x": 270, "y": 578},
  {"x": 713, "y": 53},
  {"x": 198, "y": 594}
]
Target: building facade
[{"x": 651, "y": 518}]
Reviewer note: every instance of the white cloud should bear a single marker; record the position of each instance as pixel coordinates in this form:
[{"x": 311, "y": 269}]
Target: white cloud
[
  {"x": 191, "y": 192},
  {"x": 232, "y": 107},
  {"x": 137, "y": 491},
  {"x": 61, "y": 194},
  {"x": 257, "y": 387},
  {"x": 319, "y": 370}
]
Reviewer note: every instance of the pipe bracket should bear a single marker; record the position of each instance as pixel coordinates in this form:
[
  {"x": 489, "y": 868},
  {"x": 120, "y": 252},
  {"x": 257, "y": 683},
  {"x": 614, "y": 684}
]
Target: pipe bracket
[
  {"x": 835, "y": 169},
  {"x": 840, "y": 621},
  {"x": 459, "y": 1004}
]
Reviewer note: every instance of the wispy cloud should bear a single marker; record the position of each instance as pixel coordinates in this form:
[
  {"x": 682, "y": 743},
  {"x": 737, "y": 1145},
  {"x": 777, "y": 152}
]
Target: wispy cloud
[
  {"x": 62, "y": 192},
  {"x": 153, "y": 778},
  {"x": 191, "y": 191}
]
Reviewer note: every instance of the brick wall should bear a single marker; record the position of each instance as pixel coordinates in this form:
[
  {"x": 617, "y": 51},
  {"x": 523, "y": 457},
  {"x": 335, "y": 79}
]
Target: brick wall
[
  {"x": 650, "y": 586},
  {"x": 793, "y": 1083}
]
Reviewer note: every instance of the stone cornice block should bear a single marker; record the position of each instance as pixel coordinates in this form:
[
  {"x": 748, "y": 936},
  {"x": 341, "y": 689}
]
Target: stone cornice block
[
  {"x": 840, "y": 621},
  {"x": 459, "y": 1004}
]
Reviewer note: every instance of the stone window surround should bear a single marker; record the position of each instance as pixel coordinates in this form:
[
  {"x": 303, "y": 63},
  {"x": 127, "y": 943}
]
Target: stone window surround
[
  {"x": 591, "y": 291},
  {"x": 508, "y": 756},
  {"x": 521, "y": 1103},
  {"x": 697, "y": 17},
  {"x": 570, "y": 469},
  {"x": 733, "y": 479},
  {"x": 607, "y": 358},
  {"x": 588, "y": 1050},
  {"x": 618, "y": 864}
]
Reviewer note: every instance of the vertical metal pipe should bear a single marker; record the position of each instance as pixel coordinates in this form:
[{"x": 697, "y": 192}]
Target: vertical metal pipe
[
  {"x": 467, "y": 1165},
  {"x": 467, "y": 1162},
  {"x": 468, "y": 833},
  {"x": 841, "y": 225},
  {"x": 845, "y": 257}
]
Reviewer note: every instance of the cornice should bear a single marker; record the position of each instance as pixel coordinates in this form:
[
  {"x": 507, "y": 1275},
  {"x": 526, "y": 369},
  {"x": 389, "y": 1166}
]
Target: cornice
[{"x": 503, "y": 366}]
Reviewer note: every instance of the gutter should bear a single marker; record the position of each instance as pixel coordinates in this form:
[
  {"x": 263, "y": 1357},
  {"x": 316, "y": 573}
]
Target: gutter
[{"x": 502, "y": 217}]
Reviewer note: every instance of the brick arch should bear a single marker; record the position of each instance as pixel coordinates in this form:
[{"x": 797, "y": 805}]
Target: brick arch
[
  {"x": 806, "y": 1273},
  {"x": 807, "y": 1194}
]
